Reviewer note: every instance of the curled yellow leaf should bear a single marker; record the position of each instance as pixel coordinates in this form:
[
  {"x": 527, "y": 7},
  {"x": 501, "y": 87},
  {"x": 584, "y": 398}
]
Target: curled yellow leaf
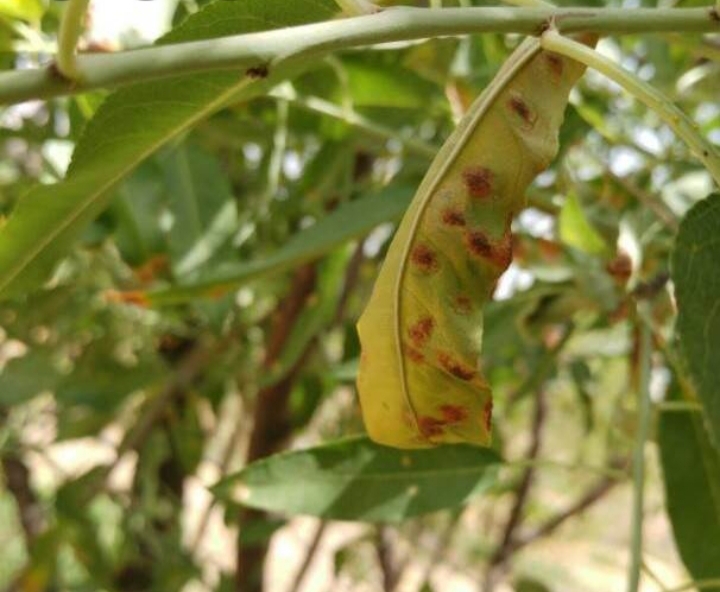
[{"x": 420, "y": 379}]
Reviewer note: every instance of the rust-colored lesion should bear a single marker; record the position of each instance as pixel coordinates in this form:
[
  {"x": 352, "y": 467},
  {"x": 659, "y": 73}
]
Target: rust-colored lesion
[
  {"x": 456, "y": 367},
  {"x": 453, "y": 217},
  {"x": 522, "y": 110},
  {"x": 421, "y": 331},
  {"x": 453, "y": 413},
  {"x": 430, "y": 427},
  {"x": 462, "y": 304},
  {"x": 478, "y": 181},
  {"x": 496, "y": 252},
  {"x": 555, "y": 65},
  {"x": 424, "y": 258},
  {"x": 413, "y": 354}
]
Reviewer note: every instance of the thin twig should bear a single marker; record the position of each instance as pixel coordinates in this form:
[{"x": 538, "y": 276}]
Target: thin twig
[
  {"x": 440, "y": 548},
  {"x": 653, "y": 576},
  {"x": 594, "y": 494},
  {"x": 309, "y": 556},
  {"x": 386, "y": 559},
  {"x": 543, "y": 368},
  {"x": 658, "y": 207}
]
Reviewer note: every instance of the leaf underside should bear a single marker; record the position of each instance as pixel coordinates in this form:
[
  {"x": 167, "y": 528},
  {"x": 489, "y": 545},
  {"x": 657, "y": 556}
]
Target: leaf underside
[{"x": 419, "y": 380}]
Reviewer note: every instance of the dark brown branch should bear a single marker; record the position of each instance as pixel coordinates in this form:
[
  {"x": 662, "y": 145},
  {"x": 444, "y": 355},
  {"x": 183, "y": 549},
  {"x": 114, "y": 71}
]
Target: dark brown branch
[
  {"x": 503, "y": 552},
  {"x": 271, "y": 421}
]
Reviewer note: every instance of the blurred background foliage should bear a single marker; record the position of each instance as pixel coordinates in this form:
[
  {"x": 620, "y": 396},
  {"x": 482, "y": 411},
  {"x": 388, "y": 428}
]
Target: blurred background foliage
[{"x": 205, "y": 320}]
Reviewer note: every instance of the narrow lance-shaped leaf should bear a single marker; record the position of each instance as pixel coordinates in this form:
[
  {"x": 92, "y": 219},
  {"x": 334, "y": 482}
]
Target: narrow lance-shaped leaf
[
  {"x": 696, "y": 275},
  {"x": 129, "y": 126},
  {"x": 349, "y": 221},
  {"x": 419, "y": 380},
  {"x": 355, "y": 479}
]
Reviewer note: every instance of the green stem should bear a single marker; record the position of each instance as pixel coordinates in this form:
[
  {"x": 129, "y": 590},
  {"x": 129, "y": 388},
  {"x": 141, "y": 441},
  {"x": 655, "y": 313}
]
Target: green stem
[
  {"x": 653, "y": 98},
  {"x": 71, "y": 28},
  {"x": 643, "y": 430},
  {"x": 319, "y": 39}
]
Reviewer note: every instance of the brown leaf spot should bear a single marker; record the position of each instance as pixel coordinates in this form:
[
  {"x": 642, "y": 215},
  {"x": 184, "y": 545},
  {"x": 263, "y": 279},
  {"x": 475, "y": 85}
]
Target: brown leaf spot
[
  {"x": 462, "y": 304},
  {"x": 453, "y": 413},
  {"x": 499, "y": 253},
  {"x": 555, "y": 65},
  {"x": 430, "y": 426},
  {"x": 424, "y": 258},
  {"x": 478, "y": 181},
  {"x": 455, "y": 367},
  {"x": 421, "y": 331},
  {"x": 413, "y": 354},
  {"x": 453, "y": 217},
  {"x": 520, "y": 108},
  {"x": 479, "y": 244},
  {"x": 487, "y": 414}
]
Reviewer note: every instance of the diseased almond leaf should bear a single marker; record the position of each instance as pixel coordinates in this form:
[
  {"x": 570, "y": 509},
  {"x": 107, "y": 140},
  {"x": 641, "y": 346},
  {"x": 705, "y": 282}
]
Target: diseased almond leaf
[{"x": 420, "y": 380}]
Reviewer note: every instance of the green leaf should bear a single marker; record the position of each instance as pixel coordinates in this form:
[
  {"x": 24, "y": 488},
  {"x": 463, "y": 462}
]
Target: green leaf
[
  {"x": 29, "y": 10},
  {"x": 356, "y": 479},
  {"x": 23, "y": 378},
  {"x": 696, "y": 274},
  {"x": 349, "y": 221},
  {"x": 132, "y": 124},
  {"x": 576, "y": 231},
  {"x": 383, "y": 85},
  {"x": 691, "y": 468},
  {"x": 101, "y": 382},
  {"x": 201, "y": 202},
  {"x": 136, "y": 213}
]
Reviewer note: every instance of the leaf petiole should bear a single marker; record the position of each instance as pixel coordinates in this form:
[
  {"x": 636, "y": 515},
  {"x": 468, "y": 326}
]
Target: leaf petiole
[
  {"x": 71, "y": 28},
  {"x": 653, "y": 98}
]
